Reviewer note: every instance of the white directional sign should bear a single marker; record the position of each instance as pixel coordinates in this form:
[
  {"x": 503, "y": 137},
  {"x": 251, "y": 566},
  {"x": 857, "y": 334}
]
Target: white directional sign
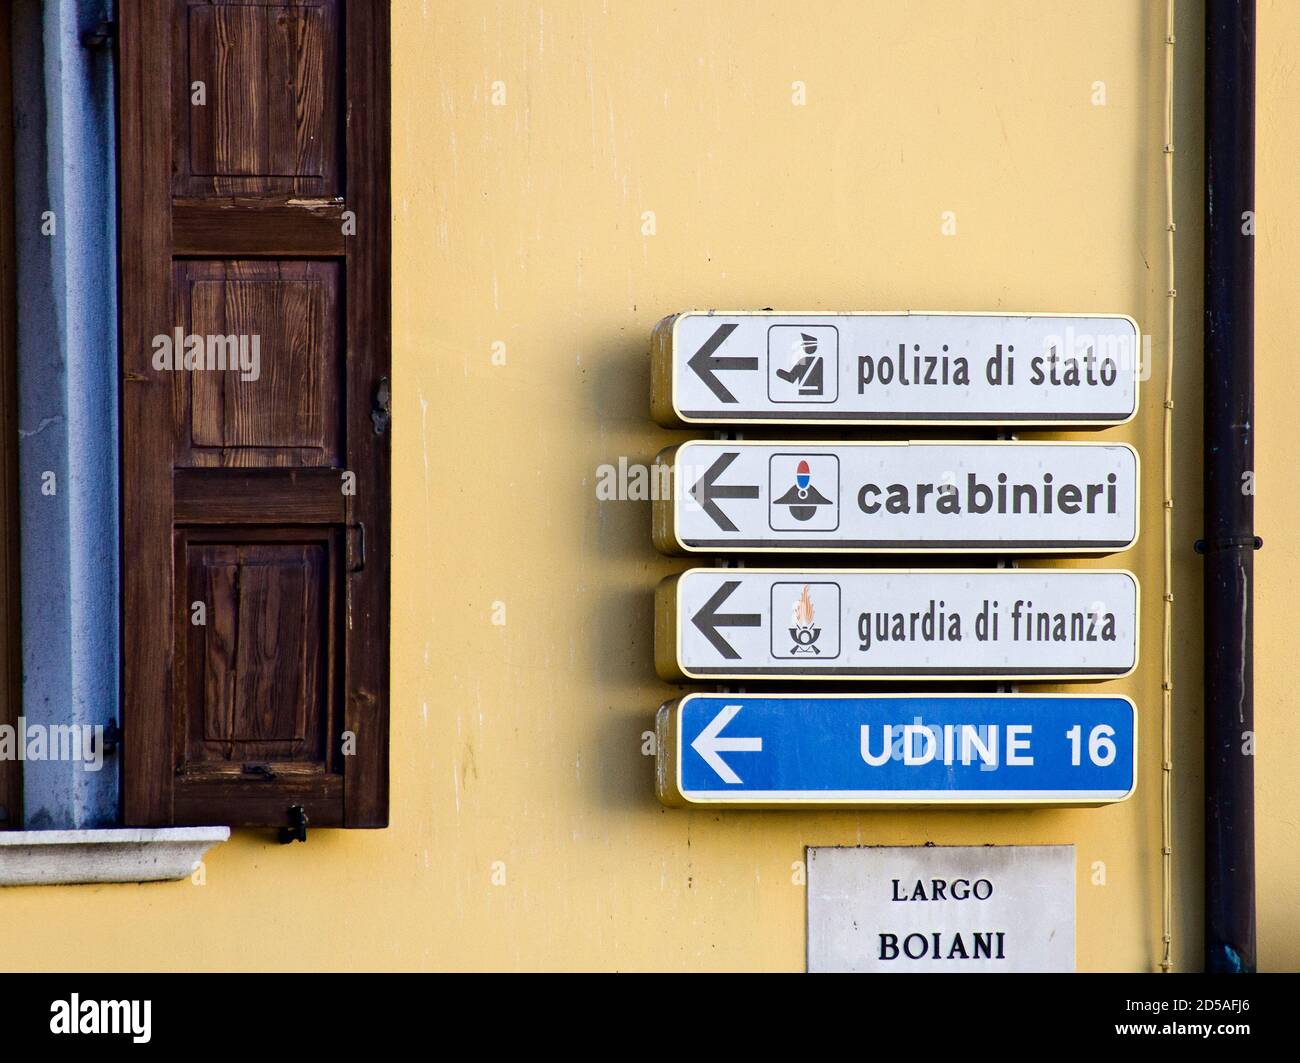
[
  {"x": 895, "y": 368},
  {"x": 991, "y": 497},
  {"x": 744, "y": 623}
]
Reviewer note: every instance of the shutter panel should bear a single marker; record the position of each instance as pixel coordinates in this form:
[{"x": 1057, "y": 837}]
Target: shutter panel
[{"x": 255, "y": 215}]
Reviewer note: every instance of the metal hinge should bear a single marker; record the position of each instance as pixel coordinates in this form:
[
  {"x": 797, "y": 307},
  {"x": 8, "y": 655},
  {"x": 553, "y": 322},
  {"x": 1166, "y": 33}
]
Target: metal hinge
[
  {"x": 381, "y": 407},
  {"x": 101, "y": 36},
  {"x": 297, "y": 830},
  {"x": 357, "y": 557}
]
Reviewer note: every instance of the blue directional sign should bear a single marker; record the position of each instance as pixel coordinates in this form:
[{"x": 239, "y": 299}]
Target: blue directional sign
[{"x": 900, "y": 749}]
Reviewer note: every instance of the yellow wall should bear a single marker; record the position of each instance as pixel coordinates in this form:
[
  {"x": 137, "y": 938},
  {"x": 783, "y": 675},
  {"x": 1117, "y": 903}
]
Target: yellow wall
[
  {"x": 521, "y": 743},
  {"x": 1277, "y": 508}
]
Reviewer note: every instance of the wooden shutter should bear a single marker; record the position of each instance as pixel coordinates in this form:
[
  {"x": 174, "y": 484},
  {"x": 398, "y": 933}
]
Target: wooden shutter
[{"x": 254, "y": 201}]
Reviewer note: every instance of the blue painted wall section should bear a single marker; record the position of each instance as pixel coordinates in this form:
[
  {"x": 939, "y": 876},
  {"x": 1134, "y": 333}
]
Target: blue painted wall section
[{"x": 67, "y": 383}]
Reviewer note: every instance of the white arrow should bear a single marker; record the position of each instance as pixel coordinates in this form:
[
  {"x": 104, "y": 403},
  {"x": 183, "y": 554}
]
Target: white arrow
[{"x": 708, "y": 745}]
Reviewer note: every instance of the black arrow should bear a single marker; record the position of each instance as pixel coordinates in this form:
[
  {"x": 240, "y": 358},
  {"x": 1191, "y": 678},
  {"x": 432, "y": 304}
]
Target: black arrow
[
  {"x": 705, "y": 364},
  {"x": 708, "y": 620},
  {"x": 704, "y": 492}
]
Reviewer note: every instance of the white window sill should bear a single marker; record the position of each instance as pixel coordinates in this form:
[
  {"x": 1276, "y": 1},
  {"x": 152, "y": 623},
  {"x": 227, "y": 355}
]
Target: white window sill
[{"x": 54, "y": 857}]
